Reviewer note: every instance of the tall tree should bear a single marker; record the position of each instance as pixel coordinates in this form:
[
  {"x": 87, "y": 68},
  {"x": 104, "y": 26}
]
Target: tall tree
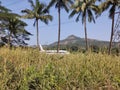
[
  {"x": 38, "y": 12},
  {"x": 59, "y": 4},
  {"x": 112, "y": 5},
  {"x": 85, "y": 9}
]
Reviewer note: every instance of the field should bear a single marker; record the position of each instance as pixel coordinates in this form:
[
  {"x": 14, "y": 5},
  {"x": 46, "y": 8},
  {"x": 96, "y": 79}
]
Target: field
[{"x": 27, "y": 69}]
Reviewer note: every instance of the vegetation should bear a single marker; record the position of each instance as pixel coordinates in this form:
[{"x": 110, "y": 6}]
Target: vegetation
[
  {"x": 31, "y": 70},
  {"x": 12, "y": 29},
  {"x": 24, "y": 68},
  {"x": 73, "y": 43},
  {"x": 113, "y": 6},
  {"x": 38, "y": 12},
  {"x": 59, "y": 4},
  {"x": 84, "y": 9}
]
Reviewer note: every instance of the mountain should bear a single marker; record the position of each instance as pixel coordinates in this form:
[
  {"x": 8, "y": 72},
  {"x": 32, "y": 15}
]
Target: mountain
[
  {"x": 73, "y": 40},
  {"x": 69, "y": 40}
]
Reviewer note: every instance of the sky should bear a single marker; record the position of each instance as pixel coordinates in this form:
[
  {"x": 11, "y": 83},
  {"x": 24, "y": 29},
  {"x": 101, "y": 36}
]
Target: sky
[{"x": 101, "y": 30}]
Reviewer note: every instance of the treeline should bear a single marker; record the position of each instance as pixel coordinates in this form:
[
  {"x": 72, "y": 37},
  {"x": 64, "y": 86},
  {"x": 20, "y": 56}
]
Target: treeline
[{"x": 92, "y": 48}]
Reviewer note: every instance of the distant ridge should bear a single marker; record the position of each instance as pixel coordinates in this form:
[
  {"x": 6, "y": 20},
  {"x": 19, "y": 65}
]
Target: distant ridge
[{"x": 73, "y": 40}]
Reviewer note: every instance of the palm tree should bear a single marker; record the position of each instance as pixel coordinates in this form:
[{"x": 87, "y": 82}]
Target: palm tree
[
  {"x": 38, "y": 12},
  {"x": 84, "y": 8},
  {"x": 14, "y": 25},
  {"x": 112, "y": 5},
  {"x": 59, "y": 4}
]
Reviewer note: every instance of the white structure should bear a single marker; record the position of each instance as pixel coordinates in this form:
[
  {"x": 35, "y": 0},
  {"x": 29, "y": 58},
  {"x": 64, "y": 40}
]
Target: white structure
[
  {"x": 41, "y": 48},
  {"x": 53, "y": 51}
]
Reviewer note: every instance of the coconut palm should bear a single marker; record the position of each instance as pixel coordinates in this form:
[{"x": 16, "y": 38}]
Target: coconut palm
[
  {"x": 84, "y": 8},
  {"x": 14, "y": 26},
  {"x": 38, "y": 12},
  {"x": 59, "y": 4},
  {"x": 112, "y": 5}
]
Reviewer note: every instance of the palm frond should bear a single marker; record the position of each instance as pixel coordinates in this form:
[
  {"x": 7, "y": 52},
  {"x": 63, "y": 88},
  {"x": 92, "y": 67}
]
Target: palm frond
[
  {"x": 111, "y": 11},
  {"x": 37, "y": 3},
  {"x": 72, "y": 13},
  {"x": 104, "y": 6},
  {"x": 83, "y": 16},
  {"x": 76, "y": 4},
  {"x": 95, "y": 8},
  {"x": 46, "y": 18},
  {"x": 70, "y": 1},
  {"x": 28, "y": 16},
  {"x": 27, "y": 11},
  {"x": 32, "y": 4},
  {"x": 51, "y": 3},
  {"x": 77, "y": 19},
  {"x": 45, "y": 21},
  {"x": 66, "y": 4},
  {"x": 90, "y": 16},
  {"x": 4, "y": 9},
  {"x": 83, "y": 7},
  {"x": 5, "y": 15},
  {"x": 23, "y": 31},
  {"x": 66, "y": 8},
  {"x": 39, "y": 12}
]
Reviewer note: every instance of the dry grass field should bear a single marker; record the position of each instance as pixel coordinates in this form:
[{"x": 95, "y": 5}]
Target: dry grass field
[{"x": 28, "y": 69}]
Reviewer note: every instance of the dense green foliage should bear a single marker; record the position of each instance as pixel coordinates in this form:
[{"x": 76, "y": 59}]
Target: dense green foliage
[{"x": 27, "y": 69}]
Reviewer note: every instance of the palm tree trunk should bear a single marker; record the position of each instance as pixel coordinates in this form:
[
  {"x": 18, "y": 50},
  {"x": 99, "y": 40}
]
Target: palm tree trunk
[
  {"x": 37, "y": 32},
  {"x": 9, "y": 40},
  {"x": 59, "y": 27},
  {"x": 85, "y": 29},
  {"x": 112, "y": 33}
]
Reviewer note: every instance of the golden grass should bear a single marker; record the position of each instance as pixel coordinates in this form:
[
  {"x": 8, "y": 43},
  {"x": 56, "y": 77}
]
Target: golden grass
[{"x": 28, "y": 69}]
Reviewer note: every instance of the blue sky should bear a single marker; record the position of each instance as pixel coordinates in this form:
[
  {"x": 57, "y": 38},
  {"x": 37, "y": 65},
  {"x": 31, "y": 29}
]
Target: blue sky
[{"x": 48, "y": 33}]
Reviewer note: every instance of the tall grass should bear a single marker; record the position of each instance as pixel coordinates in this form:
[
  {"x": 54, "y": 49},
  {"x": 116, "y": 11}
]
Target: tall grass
[{"x": 27, "y": 69}]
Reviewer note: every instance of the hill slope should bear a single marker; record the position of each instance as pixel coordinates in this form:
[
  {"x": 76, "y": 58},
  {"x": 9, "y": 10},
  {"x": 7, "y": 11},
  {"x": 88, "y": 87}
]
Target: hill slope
[{"x": 73, "y": 40}]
